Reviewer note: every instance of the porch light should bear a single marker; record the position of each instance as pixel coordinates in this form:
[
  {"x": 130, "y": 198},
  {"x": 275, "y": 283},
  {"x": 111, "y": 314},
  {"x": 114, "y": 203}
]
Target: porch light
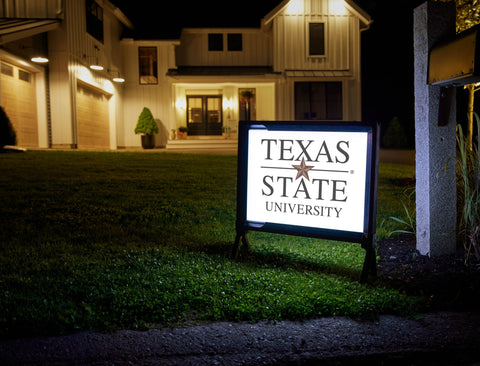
[{"x": 181, "y": 104}]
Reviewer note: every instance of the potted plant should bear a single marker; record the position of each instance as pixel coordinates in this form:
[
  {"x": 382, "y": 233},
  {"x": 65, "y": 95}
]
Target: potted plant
[
  {"x": 148, "y": 127},
  {"x": 182, "y": 132},
  {"x": 226, "y": 132}
]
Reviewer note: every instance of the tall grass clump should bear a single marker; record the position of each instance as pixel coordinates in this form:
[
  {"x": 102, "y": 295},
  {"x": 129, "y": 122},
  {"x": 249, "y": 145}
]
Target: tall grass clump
[
  {"x": 409, "y": 218},
  {"x": 468, "y": 171}
]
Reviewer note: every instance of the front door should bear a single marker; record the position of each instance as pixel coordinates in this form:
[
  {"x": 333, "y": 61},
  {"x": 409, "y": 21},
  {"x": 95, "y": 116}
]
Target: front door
[{"x": 204, "y": 115}]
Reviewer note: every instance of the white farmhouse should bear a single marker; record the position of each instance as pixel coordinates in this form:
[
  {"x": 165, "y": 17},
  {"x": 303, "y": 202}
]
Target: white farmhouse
[{"x": 303, "y": 63}]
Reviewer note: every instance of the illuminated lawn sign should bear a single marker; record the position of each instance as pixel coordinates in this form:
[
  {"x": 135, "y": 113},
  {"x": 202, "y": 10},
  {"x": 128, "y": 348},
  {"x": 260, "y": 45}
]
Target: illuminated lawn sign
[{"x": 309, "y": 179}]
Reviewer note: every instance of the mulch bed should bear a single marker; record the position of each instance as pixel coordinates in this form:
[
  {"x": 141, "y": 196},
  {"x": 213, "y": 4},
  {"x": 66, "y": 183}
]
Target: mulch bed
[{"x": 446, "y": 282}]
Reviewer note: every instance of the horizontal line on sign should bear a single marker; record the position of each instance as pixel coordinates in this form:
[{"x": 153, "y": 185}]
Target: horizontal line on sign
[{"x": 311, "y": 170}]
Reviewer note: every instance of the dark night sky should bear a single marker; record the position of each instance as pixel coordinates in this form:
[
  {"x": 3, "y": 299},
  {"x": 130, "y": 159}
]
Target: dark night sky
[{"x": 387, "y": 47}]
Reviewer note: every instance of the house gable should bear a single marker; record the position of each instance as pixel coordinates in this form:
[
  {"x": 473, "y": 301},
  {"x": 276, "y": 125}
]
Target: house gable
[
  {"x": 297, "y": 5},
  {"x": 316, "y": 35}
]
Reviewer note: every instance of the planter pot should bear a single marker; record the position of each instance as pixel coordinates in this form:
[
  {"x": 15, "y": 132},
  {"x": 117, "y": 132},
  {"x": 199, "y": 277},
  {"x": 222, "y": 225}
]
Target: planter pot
[{"x": 148, "y": 141}]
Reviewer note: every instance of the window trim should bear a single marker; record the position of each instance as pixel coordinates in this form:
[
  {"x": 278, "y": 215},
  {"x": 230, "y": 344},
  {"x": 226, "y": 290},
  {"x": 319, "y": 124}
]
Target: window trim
[{"x": 308, "y": 39}]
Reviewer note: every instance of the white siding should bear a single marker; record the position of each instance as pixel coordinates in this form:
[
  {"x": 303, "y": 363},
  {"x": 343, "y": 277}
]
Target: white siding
[
  {"x": 193, "y": 49},
  {"x": 291, "y": 32},
  {"x": 156, "y": 97},
  {"x": 341, "y": 61},
  {"x": 72, "y": 50}
]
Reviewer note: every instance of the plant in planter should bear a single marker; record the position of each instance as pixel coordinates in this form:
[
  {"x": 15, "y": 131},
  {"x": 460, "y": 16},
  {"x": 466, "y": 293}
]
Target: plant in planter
[
  {"x": 182, "y": 132},
  {"x": 148, "y": 127},
  {"x": 226, "y": 132}
]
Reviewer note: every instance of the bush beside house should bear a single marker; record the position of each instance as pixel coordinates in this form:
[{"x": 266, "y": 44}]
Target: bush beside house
[{"x": 8, "y": 135}]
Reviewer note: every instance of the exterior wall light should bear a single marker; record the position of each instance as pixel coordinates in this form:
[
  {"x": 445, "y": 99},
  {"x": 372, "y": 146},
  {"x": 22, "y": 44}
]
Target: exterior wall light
[
  {"x": 40, "y": 59},
  {"x": 96, "y": 66}
]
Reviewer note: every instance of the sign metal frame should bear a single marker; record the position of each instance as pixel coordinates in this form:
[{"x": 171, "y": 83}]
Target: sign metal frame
[{"x": 367, "y": 236}]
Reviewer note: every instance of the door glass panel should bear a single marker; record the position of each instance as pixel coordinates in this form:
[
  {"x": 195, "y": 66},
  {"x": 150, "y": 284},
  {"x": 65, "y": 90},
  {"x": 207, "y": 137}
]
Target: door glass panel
[
  {"x": 213, "y": 110},
  {"x": 195, "y": 114}
]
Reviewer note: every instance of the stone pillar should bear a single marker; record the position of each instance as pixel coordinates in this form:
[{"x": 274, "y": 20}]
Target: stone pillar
[{"x": 434, "y": 145}]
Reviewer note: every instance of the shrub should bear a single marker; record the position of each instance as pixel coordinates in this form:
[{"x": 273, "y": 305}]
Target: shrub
[
  {"x": 468, "y": 172},
  {"x": 395, "y": 136},
  {"x": 8, "y": 135},
  {"x": 146, "y": 123}
]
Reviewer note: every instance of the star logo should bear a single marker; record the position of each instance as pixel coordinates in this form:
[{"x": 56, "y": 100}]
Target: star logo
[{"x": 302, "y": 169}]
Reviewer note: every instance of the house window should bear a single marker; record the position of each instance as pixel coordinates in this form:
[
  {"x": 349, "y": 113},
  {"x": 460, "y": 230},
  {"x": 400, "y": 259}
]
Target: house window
[
  {"x": 215, "y": 42},
  {"x": 147, "y": 65},
  {"x": 234, "y": 41},
  {"x": 316, "y": 38},
  {"x": 94, "y": 20},
  {"x": 318, "y": 101}
]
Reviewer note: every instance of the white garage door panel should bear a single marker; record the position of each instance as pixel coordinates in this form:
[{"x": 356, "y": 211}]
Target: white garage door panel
[
  {"x": 92, "y": 118},
  {"x": 19, "y": 102}
]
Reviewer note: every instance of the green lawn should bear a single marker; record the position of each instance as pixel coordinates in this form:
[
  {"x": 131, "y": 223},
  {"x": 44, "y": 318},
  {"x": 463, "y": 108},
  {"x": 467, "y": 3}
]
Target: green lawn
[{"x": 92, "y": 240}]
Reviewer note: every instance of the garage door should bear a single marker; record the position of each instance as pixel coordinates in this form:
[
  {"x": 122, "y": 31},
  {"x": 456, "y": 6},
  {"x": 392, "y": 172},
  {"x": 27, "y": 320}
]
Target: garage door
[
  {"x": 19, "y": 102},
  {"x": 92, "y": 119}
]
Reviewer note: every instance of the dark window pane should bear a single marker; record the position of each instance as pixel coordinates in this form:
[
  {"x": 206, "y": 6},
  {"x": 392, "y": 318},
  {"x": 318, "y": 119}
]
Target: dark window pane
[
  {"x": 334, "y": 101},
  {"x": 318, "y": 101},
  {"x": 318, "y": 107},
  {"x": 317, "y": 39},
  {"x": 94, "y": 16},
  {"x": 147, "y": 65},
  {"x": 235, "y": 42},
  {"x": 302, "y": 101},
  {"x": 215, "y": 42}
]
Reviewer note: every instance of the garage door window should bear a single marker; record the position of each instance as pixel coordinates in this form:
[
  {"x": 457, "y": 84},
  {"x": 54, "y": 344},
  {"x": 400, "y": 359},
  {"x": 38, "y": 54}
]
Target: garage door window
[
  {"x": 7, "y": 69},
  {"x": 24, "y": 75}
]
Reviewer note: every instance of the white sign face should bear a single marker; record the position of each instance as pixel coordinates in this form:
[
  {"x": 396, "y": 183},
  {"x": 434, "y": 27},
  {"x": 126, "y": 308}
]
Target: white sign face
[{"x": 307, "y": 178}]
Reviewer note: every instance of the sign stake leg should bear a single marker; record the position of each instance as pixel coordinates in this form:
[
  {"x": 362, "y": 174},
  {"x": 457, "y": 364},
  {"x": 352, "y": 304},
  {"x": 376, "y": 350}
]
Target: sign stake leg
[
  {"x": 241, "y": 242},
  {"x": 370, "y": 263}
]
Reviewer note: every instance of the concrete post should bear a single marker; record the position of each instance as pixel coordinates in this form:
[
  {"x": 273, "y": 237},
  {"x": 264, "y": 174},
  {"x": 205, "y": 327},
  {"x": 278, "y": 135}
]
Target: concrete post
[{"x": 434, "y": 145}]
